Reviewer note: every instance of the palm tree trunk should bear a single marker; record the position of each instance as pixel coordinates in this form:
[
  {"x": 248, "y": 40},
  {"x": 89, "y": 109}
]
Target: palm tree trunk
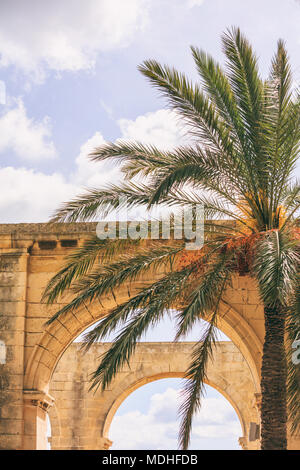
[{"x": 273, "y": 382}]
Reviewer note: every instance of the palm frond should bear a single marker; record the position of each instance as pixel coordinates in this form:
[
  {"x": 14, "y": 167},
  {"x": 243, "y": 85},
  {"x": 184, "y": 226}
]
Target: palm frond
[
  {"x": 245, "y": 81},
  {"x": 201, "y": 168},
  {"x": 290, "y": 147},
  {"x": 205, "y": 296},
  {"x": 216, "y": 84},
  {"x": 99, "y": 203},
  {"x": 191, "y": 104},
  {"x": 276, "y": 267},
  {"x": 194, "y": 382},
  {"x": 106, "y": 278},
  {"x": 82, "y": 261},
  {"x": 279, "y": 87},
  {"x": 137, "y": 315},
  {"x": 291, "y": 197},
  {"x": 214, "y": 207}
]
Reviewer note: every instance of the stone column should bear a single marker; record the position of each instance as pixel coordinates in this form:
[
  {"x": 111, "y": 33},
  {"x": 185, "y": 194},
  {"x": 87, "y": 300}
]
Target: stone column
[
  {"x": 255, "y": 444},
  {"x": 243, "y": 441},
  {"x": 36, "y": 406},
  {"x": 13, "y": 284},
  {"x": 293, "y": 441},
  {"x": 105, "y": 443}
]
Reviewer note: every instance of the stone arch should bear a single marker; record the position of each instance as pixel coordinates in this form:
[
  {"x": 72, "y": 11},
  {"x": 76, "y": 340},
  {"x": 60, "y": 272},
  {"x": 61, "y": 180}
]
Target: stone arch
[
  {"x": 145, "y": 380},
  {"x": 31, "y": 254},
  {"x": 59, "y": 335},
  {"x": 228, "y": 373}
]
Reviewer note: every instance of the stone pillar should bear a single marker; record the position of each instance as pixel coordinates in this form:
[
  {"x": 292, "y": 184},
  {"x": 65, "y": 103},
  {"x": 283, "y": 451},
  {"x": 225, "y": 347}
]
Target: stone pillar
[
  {"x": 255, "y": 444},
  {"x": 13, "y": 285},
  {"x": 293, "y": 441},
  {"x": 243, "y": 441},
  {"x": 36, "y": 406},
  {"x": 105, "y": 443}
]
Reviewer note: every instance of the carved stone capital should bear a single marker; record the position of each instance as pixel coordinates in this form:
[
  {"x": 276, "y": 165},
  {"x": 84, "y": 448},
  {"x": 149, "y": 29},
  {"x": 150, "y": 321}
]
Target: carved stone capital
[
  {"x": 243, "y": 441},
  {"x": 106, "y": 443},
  {"x": 40, "y": 399}
]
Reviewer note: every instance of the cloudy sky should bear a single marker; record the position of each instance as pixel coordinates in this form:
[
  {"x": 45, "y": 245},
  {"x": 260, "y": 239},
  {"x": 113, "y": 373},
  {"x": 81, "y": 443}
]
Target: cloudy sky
[
  {"x": 154, "y": 411},
  {"x": 69, "y": 82},
  {"x": 69, "y": 69}
]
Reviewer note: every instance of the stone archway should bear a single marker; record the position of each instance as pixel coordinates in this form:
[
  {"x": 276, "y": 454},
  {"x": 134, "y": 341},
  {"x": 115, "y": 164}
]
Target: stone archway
[
  {"x": 30, "y": 255},
  {"x": 54, "y": 418},
  {"x": 85, "y": 417},
  {"x": 58, "y": 337}
]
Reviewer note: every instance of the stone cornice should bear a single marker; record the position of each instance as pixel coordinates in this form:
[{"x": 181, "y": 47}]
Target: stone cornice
[{"x": 38, "y": 398}]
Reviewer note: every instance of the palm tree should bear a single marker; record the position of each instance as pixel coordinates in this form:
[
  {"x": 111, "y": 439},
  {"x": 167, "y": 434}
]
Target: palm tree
[{"x": 245, "y": 144}]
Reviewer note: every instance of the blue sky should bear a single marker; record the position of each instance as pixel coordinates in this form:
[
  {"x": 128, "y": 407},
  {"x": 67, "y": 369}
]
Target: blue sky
[
  {"x": 69, "y": 69},
  {"x": 71, "y": 78},
  {"x": 153, "y": 411}
]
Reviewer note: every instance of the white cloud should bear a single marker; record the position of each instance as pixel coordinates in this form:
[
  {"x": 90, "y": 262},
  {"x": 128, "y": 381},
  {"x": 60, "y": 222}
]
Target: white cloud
[
  {"x": 195, "y": 3},
  {"x": 108, "y": 109},
  {"x": 161, "y": 128},
  {"x": 214, "y": 427},
  {"x": 27, "y": 138},
  {"x": 31, "y": 196},
  {"x": 2, "y": 92},
  {"x": 65, "y": 35},
  {"x": 91, "y": 174}
]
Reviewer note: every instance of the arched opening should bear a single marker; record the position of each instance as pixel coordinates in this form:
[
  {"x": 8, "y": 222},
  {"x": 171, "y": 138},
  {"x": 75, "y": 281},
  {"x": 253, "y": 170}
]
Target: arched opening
[
  {"x": 83, "y": 419},
  {"x": 53, "y": 426},
  {"x": 58, "y": 336},
  {"x": 148, "y": 419},
  {"x": 57, "y": 340},
  {"x": 49, "y": 432},
  {"x": 164, "y": 330}
]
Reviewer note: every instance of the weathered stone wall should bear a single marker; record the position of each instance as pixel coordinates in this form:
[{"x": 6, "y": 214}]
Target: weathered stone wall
[
  {"x": 81, "y": 419},
  {"x": 22, "y": 318},
  {"x": 30, "y": 254},
  {"x": 13, "y": 282}
]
